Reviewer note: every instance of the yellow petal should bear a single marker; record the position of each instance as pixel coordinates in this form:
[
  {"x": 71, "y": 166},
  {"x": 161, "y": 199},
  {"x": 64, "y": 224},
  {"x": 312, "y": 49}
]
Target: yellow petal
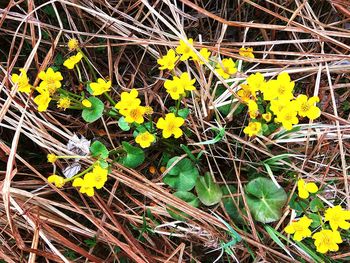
[{"x": 311, "y": 187}]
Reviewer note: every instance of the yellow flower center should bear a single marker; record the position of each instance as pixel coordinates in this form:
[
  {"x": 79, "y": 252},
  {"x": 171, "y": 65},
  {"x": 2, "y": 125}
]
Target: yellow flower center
[
  {"x": 305, "y": 106},
  {"x": 281, "y": 90},
  {"x": 135, "y": 113},
  {"x": 171, "y": 127}
]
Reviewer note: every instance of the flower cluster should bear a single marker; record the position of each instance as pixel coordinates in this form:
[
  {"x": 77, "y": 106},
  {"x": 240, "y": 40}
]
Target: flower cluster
[
  {"x": 273, "y": 100},
  {"x": 95, "y": 179},
  {"x": 326, "y": 239}
]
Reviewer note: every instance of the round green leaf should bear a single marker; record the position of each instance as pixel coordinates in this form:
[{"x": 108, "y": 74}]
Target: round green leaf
[
  {"x": 134, "y": 156},
  {"x": 182, "y": 176},
  {"x": 95, "y": 111},
  {"x": 123, "y": 124},
  {"x": 265, "y": 200},
  {"x": 98, "y": 149},
  {"x": 208, "y": 191},
  {"x": 189, "y": 198}
]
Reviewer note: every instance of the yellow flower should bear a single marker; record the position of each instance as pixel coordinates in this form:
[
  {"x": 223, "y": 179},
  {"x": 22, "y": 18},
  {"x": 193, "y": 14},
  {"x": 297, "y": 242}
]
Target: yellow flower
[
  {"x": 22, "y": 81},
  {"x": 145, "y": 139},
  {"x": 71, "y": 61},
  {"x": 149, "y": 110},
  {"x": 57, "y": 180},
  {"x": 337, "y": 217},
  {"x": 174, "y": 90},
  {"x": 246, "y": 52},
  {"x": 51, "y": 158},
  {"x": 327, "y": 240},
  {"x": 86, "y": 186},
  {"x": 43, "y": 99},
  {"x": 186, "y": 82},
  {"x": 97, "y": 178},
  {"x": 252, "y": 129},
  {"x": 279, "y": 104},
  {"x": 73, "y": 44},
  {"x": 253, "y": 109},
  {"x": 168, "y": 61},
  {"x": 51, "y": 80},
  {"x": 127, "y": 99},
  {"x": 287, "y": 116},
  {"x": 152, "y": 169},
  {"x": 100, "y": 86},
  {"x": 267, "y": 116},
  {"x": 162, "y": 169},
  {"x": 86, "y": 103},
  {"x": 134, "y": 114},
  {"x": 281, "y": 88},
  {"x": 305, "y": 188},
  {"x": 185, "y": 50},
  {"x": 307, "y": 108},
  {"x": 63, "y": 103},
  {"x": 245, "y": 93},
  {"x": 226, "y": 68},
  {"x": 170, "y": 125},
  {"x": 256, "y": 82},
  {"x": 300, "y": 229},
  {"x": 205, "y": 53}
]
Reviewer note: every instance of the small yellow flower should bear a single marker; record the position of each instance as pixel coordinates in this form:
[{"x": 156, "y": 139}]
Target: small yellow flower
[
  {"x": 149, "y": 110},
  {"x": 256, "y": 82},
  {"x": 168, "y": 61},
  {"x": 162, "y": 169},
  {"x": 127, "y": 99},
  {"x": 64, "y": 103},
  {"x": 43, "y": 99},
  {"x": 152, "y": 169},
  {"x": 186, "y": 51},
  {"x": 307, "y": 108},
  {"x": 245, "y": 93},
  {"x": 226, "y": 68},
  {"x": 246, "y": 52},
  {"x": 51, "y": 80},
  {"x": 288, "y": 117},
  {"x": 134, "y": 114},
  {"x": 279, "y": 104},
  {"x": 337, "y": 217},
  {"x": 205, "y": 53},
  {"x": 281, "y": 88},
  {"x": 86, "y": 186},
  {"x": 57, "y": 180},
  {"x": 100, "y": 86},
  {"x": 327, "y": 240},
  {"x": 305, "y": 188},
  {"x": 73, "y": 44},
  {"x": 51, "y": 158},
  {"x": 253, "y": 109},
  {"x": 73, "y": 60},
  {"x": 267, "y": 116},
  {"x": 252, "y": 129},
  {"x": 170, "y": 125},
  {"x": 145, "y": 139},
  {"x": 175, "y": 91},
  {"x": 22, "y": 81},
  {"x": 86, "y": 103},
  {"x": 300, "y": 229},
  {"x": 98, "y": 177}
]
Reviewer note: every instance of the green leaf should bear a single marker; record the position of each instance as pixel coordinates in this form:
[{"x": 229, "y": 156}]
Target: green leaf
[
  {"x": 183, "y": 113},
  {"x": 98, "y": 149},
  {"x": 182, "y": 176},
  {"x": 208, "y": 191},
  {"x": 316, "y": 220},
  {"x": 123, "y": 124},
  {"x": 232, "y": 207},
  {"x": 94, "y": 112},
  {"x": 265, "y": 200},
  {"x": 189, "y": 198},
  {"x": 134, "y": 156},
  {"x": 316, "y": 204},
  {"x": 218, "y": 137}
]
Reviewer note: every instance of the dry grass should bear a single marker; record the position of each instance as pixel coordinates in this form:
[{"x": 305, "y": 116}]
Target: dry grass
[{"x": 123, "y": 39}]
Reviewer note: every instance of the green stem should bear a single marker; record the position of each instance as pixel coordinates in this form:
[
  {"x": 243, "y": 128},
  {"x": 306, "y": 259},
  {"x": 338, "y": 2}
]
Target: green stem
[
  {"x": 79, "y": 174},
  {"x": 89, "y": 64},
  {"x": 109, "y": 98}
]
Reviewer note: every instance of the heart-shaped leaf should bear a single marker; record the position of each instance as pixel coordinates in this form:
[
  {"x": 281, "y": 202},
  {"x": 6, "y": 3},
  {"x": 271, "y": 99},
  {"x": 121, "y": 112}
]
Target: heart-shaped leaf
[
  {"x": 208, "y": 191},
  {"x": 95, "y": 111},
  {"x": 98, "y": 149},
  {"x": 182, "y": 176},
  {"x": 134, "y": 156},
  {"x": 189, "y": 198},
  {"x": 265, "y": 200}
]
